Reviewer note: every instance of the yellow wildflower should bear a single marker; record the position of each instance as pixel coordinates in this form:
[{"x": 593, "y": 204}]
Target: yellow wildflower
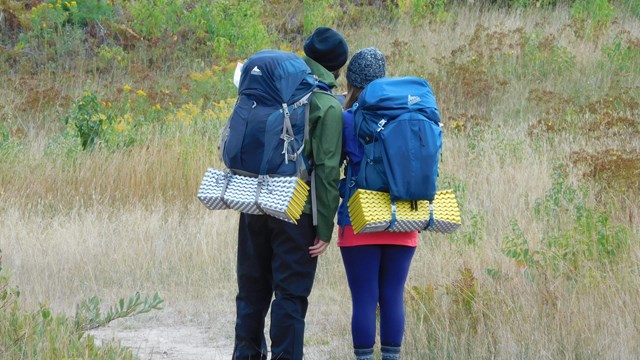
[
  {"x": 188, "y": 112},
  {"x": 141, "y": 93},
  {"x": 285, "y": 47},
  {"x": 457, "y": 125},
  {"x": 73, "y": 3},
  {"x": 127, "y": 118},
  {"x": 205, "y": 75},
  {"x": 127, "y": 88},
  {"x": 50, "y": 6},
  {"x": 121, "y": 127},
  {"x": 44, "y": 24},
  {"x": 156, "y": 106},
  {"x": 103, "y": 117}
]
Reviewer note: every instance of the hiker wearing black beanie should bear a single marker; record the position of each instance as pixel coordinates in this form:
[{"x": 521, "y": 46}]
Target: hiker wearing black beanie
[
  {"x": 328, "y": 48},
  {"x": 279, "y": 258}
]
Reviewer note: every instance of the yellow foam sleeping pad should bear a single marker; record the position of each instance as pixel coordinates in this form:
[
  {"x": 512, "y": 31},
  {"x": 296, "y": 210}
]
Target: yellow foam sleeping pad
[{"x": 371, "y": 211}]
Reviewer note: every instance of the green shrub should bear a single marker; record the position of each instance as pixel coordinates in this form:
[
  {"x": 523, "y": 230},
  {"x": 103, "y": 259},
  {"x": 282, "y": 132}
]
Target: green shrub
[
  {"x": 543, "y": 56},
  {"x": 87, "y": 121},
  {"x": 225, "y": 29},
  {"x": 575, "y": 236},
  {"x": 319, "y": 13},
  {"x": 85, "y": 12},
  {"x": 112, "y": 57},
  {"x": 47, "y": 19},
  {"x": 622, "y": 56},
  {"x": 591, "y": 17},
  {"x": 421, "y": 10},
  {"x": 41, "y": 334}
]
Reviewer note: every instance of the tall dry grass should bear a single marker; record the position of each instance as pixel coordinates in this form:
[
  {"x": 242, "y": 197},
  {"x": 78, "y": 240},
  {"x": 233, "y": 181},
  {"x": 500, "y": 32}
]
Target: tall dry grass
[{"x": 112, "y": 222}]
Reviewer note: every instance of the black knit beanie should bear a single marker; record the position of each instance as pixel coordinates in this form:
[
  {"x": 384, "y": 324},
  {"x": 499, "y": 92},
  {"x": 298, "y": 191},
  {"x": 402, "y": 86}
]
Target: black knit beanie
[
  {"x": 365, "y": 66},
  {"x": 328, "y": 48}
]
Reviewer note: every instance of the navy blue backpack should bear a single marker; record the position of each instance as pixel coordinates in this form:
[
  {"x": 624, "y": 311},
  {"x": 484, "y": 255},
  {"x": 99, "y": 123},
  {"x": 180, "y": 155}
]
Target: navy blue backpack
[
  {"x": 398, "y": 122},
  {"x": 266, "y": 131}
]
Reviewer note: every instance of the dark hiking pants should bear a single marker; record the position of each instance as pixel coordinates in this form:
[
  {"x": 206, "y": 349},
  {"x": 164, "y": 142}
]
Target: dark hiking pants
[{"x": 273, "y": 258}]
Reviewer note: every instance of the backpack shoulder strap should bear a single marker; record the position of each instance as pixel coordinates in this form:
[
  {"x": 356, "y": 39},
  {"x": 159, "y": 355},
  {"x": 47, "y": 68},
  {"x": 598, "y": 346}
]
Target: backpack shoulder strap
[{"x": 323, "y": 87}]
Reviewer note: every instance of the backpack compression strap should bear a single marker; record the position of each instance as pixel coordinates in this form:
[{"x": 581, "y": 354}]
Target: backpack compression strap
[
  {"x": 288, "y": 136},
  {"x": 287, "y": 130}
]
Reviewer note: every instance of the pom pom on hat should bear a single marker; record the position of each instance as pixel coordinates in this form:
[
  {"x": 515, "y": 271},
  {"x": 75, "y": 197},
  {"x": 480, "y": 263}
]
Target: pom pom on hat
[
  {"x": 365, "y": 66},
  {"x": 327, "y": 47}
]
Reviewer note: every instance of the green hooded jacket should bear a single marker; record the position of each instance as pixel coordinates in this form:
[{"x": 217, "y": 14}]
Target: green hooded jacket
[{"x": 324, "y": 148}]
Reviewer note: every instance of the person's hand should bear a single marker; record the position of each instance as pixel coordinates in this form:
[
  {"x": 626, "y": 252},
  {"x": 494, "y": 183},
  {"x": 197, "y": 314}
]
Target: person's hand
[{"x": 319, "y": 246}]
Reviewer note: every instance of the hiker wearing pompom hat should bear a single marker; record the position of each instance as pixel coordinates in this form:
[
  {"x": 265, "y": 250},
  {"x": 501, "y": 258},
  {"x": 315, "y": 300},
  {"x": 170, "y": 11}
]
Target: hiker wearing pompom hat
[
  {"x": 376, "y": 263},
  {"x": 280, "y": 258}
]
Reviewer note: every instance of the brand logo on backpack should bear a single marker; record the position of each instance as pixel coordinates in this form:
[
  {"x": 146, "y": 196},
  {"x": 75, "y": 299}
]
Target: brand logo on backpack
[
  {"x": 256, "y": 71},
  {"x": 413, "y": 100}
]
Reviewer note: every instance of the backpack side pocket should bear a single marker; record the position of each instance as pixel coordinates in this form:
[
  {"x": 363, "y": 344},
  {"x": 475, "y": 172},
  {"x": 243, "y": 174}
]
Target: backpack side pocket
[
  {"x": 372, "y": 174},
  {"x": 240, "y": 135}
]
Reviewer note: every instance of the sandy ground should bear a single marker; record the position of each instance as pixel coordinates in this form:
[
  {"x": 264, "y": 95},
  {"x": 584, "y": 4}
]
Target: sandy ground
[
  {"x": 156, "y": 341},
  {"x": 173, "y": 337}
]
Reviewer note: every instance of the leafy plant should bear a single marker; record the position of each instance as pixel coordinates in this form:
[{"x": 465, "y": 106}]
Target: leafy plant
[
  {"x": 46, "y": 19},
  {"x": 112, "y": 57},
  {"x": 319, "y": 13},
  {"x": 421, "y": 10},
  {"x": 473, "y": 231},
  {"x": 622, "y": 56},
  {"x": 87, "y": 121},
  {"x": 42, "y": 334},
  {"x": 516, "y": 246},
  {"x": 89, "y": 316},
  {"x": 85, "y": 12},
  {"x": 203, "y": 25},
  {"x": 591, "y": 16},
  {"x": 543, "y": 56},
  {"x": 575, "y": 234}
]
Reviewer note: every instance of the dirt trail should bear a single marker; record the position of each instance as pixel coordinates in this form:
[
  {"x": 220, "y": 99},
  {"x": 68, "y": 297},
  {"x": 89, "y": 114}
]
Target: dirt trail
[
  {"x": 182, "y": 342},
  {"x": 153, "y": 340}
]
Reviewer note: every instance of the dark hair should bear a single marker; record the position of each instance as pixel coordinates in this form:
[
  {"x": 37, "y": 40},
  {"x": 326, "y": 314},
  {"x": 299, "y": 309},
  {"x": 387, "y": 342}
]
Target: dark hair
[{"x": 352, "y": 95}]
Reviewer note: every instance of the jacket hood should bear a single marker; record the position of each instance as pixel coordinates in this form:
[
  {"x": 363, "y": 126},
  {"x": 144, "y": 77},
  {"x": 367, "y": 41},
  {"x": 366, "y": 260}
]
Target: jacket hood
[{"x": 318, "y": 70}]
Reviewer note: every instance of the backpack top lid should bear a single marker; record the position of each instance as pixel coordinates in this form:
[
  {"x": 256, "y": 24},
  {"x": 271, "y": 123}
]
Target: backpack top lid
[
  {"x": 275, "y": 77},
  {"x": 392, "y": 97}
]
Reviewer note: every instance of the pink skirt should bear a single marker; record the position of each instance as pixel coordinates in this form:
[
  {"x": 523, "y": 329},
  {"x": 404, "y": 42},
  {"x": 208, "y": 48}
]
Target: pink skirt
[{"x": 346, "y": 237}]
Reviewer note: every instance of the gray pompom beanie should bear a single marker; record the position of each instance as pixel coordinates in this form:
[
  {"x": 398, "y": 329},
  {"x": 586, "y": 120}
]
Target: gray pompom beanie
[{"x": 365, "y": 66}]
